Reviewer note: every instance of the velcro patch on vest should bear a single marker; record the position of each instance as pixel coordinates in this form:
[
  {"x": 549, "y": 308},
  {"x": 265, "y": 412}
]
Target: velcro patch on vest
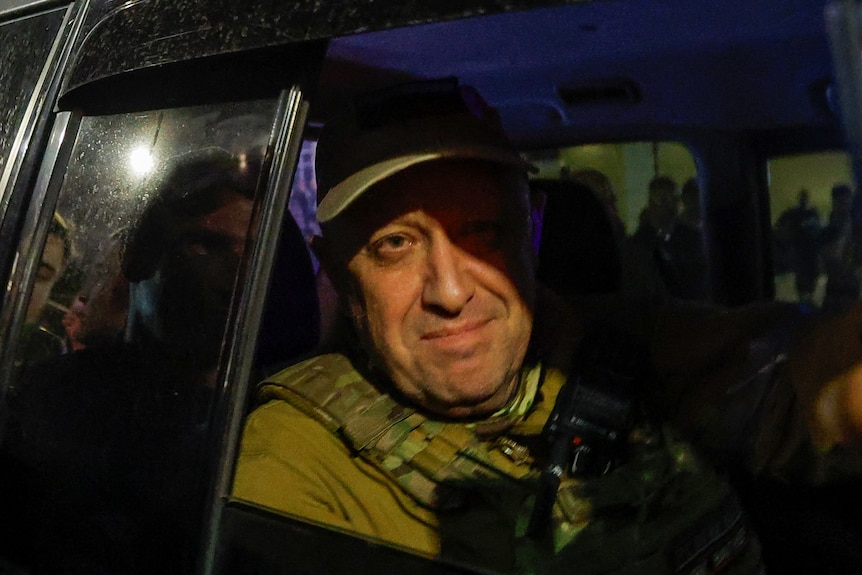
[
  {"x": 429, "y": 458},
  {"x": 329, "y": 389}
]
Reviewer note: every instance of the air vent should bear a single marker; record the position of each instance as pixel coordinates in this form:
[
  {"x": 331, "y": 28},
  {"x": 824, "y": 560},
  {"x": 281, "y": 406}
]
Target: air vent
[{"x": 617, "y": 91}]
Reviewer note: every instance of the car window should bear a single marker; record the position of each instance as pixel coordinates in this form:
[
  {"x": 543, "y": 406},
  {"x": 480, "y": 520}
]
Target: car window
[
  {"x": 114, "y": 370},
  {"x": 815, "y": 214},
  {"x": 647, "y": 241},
  {"x": 121, "y": 362}
]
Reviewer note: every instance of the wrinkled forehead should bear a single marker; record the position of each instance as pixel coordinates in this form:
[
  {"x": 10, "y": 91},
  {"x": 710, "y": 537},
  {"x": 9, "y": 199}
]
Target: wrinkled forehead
[{"x": 449, "y": 191}]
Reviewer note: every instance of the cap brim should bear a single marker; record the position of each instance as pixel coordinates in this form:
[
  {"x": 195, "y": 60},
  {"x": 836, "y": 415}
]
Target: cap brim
[{"x": 349, "y": 190}]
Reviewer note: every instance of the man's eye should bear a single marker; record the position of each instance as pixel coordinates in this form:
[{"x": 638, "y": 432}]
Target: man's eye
[
  {"x": 203, "y": 245},
  {"x": 391, "y": 246},
  {"x": 196, "y": 249}
]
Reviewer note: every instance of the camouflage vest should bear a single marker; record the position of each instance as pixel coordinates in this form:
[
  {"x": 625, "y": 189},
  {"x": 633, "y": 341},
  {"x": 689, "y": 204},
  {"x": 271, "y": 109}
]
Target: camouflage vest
[{"x": 662, "y": 511}]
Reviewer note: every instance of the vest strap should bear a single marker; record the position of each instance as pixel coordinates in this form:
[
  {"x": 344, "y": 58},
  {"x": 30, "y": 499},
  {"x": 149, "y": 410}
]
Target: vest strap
[{"x": 426, "y": 457}]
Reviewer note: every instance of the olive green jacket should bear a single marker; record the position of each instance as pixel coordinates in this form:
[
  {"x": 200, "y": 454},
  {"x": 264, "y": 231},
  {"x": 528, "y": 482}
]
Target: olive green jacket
[{"x": 329, "y": 446}]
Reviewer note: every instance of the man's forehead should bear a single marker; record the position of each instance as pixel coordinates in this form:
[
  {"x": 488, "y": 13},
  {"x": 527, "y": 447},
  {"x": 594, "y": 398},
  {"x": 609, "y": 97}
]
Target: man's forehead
[
  {"x": 224, "y": 209},
  {"x": 449, "y": 189}
]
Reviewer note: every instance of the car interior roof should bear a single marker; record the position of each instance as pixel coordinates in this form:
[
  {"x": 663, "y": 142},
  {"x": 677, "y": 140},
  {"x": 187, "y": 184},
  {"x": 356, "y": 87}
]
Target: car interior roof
[
  {"x": 622, "y": 65},
  {"x": 577, "y": 71}
]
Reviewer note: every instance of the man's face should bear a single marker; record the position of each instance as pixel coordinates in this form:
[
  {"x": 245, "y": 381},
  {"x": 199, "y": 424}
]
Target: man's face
[
  {"x": 50, "y": 269},
  {"x": 191, "y": 290},
  {"x": 440, "y": 282},
  {"x": 73, "y": 319},
  {"x": 107, "y": 303},
  {"x": 663, "y": 205}
]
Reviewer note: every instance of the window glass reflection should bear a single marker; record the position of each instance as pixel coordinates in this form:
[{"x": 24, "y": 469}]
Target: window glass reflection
[{"x": 117, "y": 363}]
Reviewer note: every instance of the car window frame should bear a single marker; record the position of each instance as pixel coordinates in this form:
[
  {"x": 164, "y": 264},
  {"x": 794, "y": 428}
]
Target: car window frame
[
  {"x": 235, "y": 368},
  {"x": 21, "y": 169}
]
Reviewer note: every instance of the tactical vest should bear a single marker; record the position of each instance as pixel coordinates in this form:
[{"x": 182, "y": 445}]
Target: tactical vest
[{"x": 661, "y": 511}]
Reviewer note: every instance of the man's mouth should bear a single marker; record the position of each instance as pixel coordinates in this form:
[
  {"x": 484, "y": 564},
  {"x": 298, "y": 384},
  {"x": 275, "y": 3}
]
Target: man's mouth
[{"x": 457, "y": 337}]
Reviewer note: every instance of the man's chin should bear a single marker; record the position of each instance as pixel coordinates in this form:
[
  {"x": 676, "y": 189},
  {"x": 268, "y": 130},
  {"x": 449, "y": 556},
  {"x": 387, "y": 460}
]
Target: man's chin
[
  {"x": 465, "y": 388},
  {"x": 471, "y": 401}
]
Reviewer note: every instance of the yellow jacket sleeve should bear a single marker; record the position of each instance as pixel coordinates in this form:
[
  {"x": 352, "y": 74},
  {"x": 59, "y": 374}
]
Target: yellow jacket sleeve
[{"x": 290, "y": 463}]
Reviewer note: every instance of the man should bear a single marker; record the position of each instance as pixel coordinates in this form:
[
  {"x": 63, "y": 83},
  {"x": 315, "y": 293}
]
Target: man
[
  {"x": 72, "y": 321},
  {"x": 838, "y": 253},
  {"x": 107, "y": 445},
  {"x": 426, "y": 430},
  {"x": 55, "y": 254},
  {"x": 182, "y": 259},
  {"x": 39, "y": 343},
  {"x": 107, "y": 293},
  {"x": 687, "y": 249},
  {"x": 797, "y": 231},
  {"x": 647, "y": 265}
]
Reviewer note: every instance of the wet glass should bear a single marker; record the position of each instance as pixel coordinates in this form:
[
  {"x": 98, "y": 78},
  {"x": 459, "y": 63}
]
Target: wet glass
[
  {"x": 26, "y": 43},
  {"x": 111, "y": 402}
]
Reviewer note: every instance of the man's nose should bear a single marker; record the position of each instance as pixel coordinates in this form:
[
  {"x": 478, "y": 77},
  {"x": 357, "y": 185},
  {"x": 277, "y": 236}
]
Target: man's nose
[{"x": 449, "y": 284}]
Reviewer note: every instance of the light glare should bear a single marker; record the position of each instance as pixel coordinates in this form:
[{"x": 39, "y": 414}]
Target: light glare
[{"x": 141, "y": 161}]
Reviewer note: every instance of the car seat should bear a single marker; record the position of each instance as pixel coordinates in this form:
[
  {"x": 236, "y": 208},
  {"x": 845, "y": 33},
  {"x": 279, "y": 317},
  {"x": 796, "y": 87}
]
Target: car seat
[
  {"x": 579, "y": 252},
  {"x": 290, "y": 327}
]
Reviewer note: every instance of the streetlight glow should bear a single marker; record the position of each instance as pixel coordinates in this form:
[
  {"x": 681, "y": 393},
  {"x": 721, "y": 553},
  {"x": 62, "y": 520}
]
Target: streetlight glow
[{"x": 141, "y": 161}]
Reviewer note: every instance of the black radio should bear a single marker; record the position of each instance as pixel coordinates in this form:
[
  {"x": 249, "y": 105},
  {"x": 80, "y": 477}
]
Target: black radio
[{"x": 593, "y": 415}]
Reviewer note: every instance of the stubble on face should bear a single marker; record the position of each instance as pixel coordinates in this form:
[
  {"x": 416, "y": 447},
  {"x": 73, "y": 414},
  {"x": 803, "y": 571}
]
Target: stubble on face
[{"x": 440, "y": 283}]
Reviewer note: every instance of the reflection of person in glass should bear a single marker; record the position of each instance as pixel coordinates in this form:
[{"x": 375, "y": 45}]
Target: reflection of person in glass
[
  {"x": 72, "y": 320},
  {"x": 39, "y": 343},
  {"x": 125, "y": 424},
  {"x": 107, "y": 293},
  {"x": 181, "y": 262}
]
